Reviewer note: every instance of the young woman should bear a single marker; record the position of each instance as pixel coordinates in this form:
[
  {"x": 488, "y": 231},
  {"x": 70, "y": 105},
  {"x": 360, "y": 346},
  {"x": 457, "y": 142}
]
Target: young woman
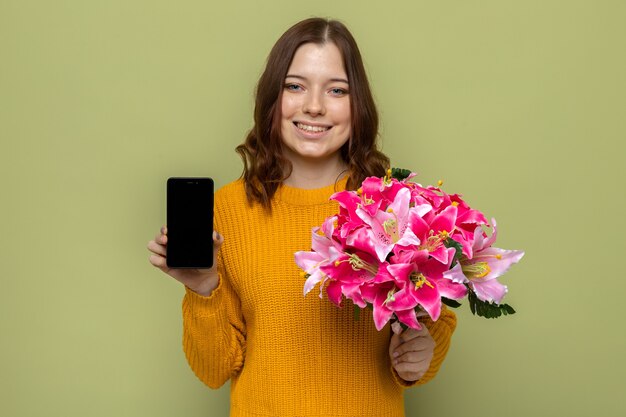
[{"x": 246, "y": 319}]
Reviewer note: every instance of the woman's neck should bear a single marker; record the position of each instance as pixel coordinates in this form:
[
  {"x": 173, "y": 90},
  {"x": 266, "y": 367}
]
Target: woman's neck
[{"x": 316, "y": 174}]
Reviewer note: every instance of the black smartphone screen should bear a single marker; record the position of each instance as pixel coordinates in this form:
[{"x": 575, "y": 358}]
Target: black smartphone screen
[{"x": 189, "y": 222}]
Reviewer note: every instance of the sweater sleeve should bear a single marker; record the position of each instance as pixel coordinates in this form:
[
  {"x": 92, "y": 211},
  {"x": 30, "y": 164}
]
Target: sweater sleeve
[
  {"x": 441, "y": 331},
  {"x": 214, "y": 334}
]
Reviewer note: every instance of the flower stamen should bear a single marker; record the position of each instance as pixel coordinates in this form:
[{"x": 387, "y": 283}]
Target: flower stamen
[
  {"x": 357, "y": 264},
  {"x": 391, "y": 228},
  {"x": 419, "y": 280},
  {"x": 476, "y": 270},
  {"x": 390, "y": 296}
]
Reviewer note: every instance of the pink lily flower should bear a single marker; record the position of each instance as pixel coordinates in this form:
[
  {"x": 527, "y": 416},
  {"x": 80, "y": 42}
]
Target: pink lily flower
[
  {"x": 487, "y": 264},
  {"x": 348, "y": 273},
  {"x": 467, "y": 215},
  {"x": 382, "y": 190},
  {"x": 435, "y": 271},
  {"x": 416, "y": 285},
  {"x": 377, "y": 296},
  {"x": 429, "y": 195},
  {"x": 348, "y": 220},
  {"x": 466, "y": 222},
  {"x": 325, "y": 250},
  {"x": 414, "y": 289},
  {"x": 433, "y": 233},
  {"x": 388, "y": 228}
]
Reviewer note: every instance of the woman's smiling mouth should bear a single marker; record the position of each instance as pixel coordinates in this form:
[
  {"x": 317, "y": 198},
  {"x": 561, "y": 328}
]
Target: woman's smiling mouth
[{"x": 311, "y": 128}]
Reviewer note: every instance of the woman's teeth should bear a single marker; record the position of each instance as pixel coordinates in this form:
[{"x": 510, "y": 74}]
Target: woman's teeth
[{"x": 309, "y": 128}]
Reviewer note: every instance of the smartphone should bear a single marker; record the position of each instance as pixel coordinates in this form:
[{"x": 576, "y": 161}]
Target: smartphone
[{"x": 189, "y": 223}]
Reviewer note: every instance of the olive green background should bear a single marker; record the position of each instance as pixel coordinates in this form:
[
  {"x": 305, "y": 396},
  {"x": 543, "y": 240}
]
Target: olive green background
[{"x": 519, "y": 105}]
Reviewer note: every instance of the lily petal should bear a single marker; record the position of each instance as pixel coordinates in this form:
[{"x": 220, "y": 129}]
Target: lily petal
[
  {"x": 312, "y": 281},
  {"x": 490, "y": 291},
  {"x": 402, "y": 300},
  {"x": 456, "y": 274},
  {"x": 363, "y": 239},
  {"x": 499, "y": 260},
  {"x": 430, "y": 300},
  {"x": 450, "y": 289},
  {"x": 491, "y": 240},
  {"x": 381, "y": 315},
  {"x": 409, "y": 318},
  {"x": 444, "y": 220},
  {"x": 308, "y": 260},
  {"x": 333, "y": 290}
]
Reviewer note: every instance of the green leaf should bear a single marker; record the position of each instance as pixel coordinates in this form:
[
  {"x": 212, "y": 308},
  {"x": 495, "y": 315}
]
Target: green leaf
[
  {"x": 357, "y": 312},
  {"x": 400, "y": 173},
  {"x": 486, "y": 309},
  {"x": 450, "y": 303},
  {"x": 451, "y": 243}
]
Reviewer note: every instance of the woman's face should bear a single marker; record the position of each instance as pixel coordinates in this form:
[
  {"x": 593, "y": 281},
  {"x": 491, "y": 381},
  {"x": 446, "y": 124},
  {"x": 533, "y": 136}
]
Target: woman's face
[{"x": 315, "y": 105}]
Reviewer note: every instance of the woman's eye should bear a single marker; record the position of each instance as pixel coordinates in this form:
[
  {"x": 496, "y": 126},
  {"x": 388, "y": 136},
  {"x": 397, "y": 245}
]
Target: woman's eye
[
  {"x": 293, "y": 87},
  {"x": 338, "y": 91}
]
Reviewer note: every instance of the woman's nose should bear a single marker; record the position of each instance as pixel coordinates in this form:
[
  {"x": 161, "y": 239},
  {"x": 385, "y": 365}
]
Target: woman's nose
[{"x": 314, "y": 104}]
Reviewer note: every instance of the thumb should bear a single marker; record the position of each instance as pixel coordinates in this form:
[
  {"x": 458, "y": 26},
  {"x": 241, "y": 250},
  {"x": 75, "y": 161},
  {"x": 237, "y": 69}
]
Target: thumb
[
  {"x": 394, "y": 342},
  {"x": 218, "y": 240}
]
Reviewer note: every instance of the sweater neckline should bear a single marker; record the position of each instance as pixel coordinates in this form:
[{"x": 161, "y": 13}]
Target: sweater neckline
[{"x": 304, "y": 197}]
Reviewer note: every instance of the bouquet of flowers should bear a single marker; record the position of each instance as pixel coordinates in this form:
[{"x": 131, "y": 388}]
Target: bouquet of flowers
[{"x": 399, "y": 248}]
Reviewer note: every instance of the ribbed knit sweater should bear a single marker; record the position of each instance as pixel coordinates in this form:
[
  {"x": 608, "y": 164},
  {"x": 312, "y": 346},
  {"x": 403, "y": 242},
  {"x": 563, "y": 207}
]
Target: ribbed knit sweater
[{"x": 287, "y": 354}]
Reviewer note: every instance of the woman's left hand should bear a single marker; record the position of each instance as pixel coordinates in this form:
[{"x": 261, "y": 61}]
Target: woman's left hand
[{"x": 411, "y": 352}]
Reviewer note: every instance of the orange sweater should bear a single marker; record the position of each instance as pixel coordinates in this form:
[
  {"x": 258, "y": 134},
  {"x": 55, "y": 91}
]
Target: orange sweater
[{"x": 286, "y": 354}]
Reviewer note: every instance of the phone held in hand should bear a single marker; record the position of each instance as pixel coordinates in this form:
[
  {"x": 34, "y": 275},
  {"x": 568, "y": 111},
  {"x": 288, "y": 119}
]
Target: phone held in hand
[{"x": 189, "y": 222}]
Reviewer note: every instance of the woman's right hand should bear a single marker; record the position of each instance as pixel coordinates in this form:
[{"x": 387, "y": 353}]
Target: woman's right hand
[{"x": 201, "y": 281}]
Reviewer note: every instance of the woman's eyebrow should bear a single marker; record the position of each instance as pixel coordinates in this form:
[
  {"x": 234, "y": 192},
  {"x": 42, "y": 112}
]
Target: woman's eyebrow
[{"x": 300, "y": 77}]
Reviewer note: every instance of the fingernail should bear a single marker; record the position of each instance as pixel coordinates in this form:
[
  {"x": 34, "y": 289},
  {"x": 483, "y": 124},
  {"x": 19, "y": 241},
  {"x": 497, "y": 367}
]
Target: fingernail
[{"x": 396, "y": 354}]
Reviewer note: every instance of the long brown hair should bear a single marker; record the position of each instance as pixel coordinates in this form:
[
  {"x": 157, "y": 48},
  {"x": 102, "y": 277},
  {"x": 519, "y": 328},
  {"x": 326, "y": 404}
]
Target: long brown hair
[{"x": 265, "y": 167}]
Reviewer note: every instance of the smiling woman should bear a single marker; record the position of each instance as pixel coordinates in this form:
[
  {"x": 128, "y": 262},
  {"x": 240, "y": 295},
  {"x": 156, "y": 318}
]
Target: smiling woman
[
  {"x": 315, "y": 109},
  {"x": 266, "y": 164},
  {"x": 245, "y": 319}
]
